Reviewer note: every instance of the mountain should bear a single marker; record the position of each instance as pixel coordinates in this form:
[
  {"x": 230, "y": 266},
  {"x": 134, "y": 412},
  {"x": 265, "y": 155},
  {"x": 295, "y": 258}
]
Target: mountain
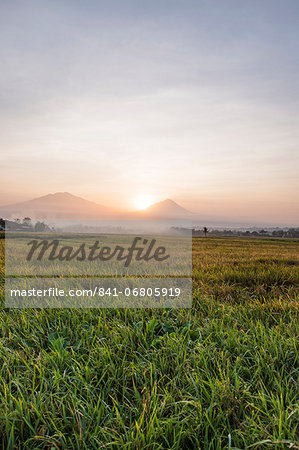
[
  {"x": 61, "y": 205},
  {"x": 167, "y": 209}
]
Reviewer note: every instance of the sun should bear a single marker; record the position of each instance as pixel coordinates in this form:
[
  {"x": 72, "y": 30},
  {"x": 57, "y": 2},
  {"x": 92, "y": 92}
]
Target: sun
[{"x": 143, "y": 202}]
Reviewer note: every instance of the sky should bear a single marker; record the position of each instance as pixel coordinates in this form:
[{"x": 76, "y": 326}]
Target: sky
[{"x": 128, "y": 102}]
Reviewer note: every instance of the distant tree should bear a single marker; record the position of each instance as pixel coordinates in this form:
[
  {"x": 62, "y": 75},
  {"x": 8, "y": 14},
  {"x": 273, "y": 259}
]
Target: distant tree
[
  {"x": 293, "y": 232},
  {"x": 2, "y": 224},
  {"x": 205, "y": 230},
  {"x": 278, "y": 233},
  {"x": 27, "y": 221},
  {"x": 17, "y": 221},
  {"x": 263, "y": 232},
  {"x": 40, "y": 226}
]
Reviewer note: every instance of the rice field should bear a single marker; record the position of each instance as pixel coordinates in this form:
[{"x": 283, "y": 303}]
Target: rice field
[{"x": 221, "y": 375}]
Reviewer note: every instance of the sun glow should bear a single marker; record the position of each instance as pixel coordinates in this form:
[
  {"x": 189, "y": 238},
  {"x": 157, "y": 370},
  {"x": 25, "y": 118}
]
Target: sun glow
[{"x": 143, "y": 202}]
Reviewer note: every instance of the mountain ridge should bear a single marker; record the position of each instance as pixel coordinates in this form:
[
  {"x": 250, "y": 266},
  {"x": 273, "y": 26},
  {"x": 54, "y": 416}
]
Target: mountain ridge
[
  {"x": 64, "y": 205},
  {"x": 58, "y": 205},
  {"x": 167, "y": 208}
]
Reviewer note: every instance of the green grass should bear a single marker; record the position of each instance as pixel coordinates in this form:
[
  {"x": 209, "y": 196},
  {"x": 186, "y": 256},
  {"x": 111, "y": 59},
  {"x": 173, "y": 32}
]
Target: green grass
[{"x": 222, "y": 375}]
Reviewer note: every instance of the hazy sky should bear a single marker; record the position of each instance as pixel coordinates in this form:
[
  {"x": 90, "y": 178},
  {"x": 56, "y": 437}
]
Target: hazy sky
[{"x": 118, "y": 101}]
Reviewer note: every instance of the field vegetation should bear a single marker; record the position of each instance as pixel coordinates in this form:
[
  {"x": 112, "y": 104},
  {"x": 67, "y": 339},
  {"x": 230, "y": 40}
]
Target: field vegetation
[{"x": 221, "y": 375}]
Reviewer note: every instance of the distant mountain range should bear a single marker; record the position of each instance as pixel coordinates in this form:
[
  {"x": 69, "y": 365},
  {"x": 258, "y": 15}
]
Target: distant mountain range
[{"x": 63, "y": 205}]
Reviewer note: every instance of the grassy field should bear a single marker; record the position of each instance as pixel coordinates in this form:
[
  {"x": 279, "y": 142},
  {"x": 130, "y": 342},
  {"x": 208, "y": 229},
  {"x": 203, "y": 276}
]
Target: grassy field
[{"x": 220, "y": 376}]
